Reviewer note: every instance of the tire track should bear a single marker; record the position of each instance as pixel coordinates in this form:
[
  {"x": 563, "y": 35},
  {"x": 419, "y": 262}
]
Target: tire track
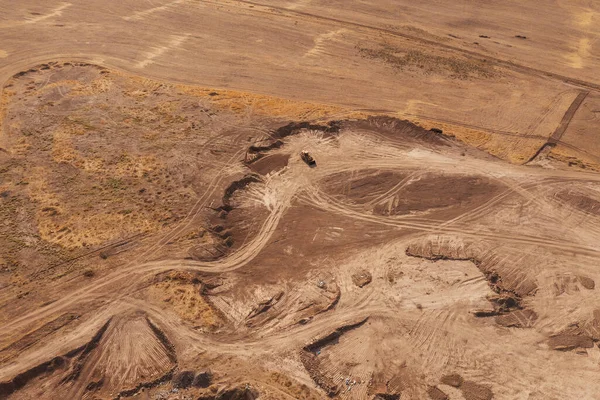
[
  {"x": 569, "y": 114},
  {"x": 425, "y": 226},
  {"x": 494, "y": 60},
  {"x": 562, "y": 126}
]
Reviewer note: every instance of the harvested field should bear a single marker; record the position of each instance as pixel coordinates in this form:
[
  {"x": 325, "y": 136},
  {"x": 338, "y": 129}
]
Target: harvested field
[{"x": 164, "y": 235}]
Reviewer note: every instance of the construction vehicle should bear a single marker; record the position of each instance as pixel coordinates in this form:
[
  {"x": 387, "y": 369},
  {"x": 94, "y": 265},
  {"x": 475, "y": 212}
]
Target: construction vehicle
[{"x": 307, "y": 158}]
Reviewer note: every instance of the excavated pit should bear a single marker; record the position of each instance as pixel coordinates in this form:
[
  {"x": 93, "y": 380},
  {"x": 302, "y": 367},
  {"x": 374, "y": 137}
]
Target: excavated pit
[{"x": 508, "y": 308}]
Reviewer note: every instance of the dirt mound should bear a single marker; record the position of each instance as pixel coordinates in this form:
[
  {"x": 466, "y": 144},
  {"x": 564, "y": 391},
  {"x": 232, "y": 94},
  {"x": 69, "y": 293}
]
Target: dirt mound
[
  {"x": 578, "y": 336},
  {"x": 257, "y": 151},
  {"x": 279, "y": 306},
  {"x": 236, "y": 393},
  {"x": 183, "y": 379},
  {"x": 233, "y": 221},
  {"x": 232, "y": 188},
  {"x": 187, "y": 379},
  {"x": 475, "y": 391},
  {"x": 386, "y": 396},
  {"x": 591, "y": 327},
  {"x": 126, "y": 354},
  {"x": 202, "y": 379},
  {"x": 313, "y": 366},
  {"x": 470, "y": 389},
  {"x": 331, "y": 338},
  {"x": 400, "y": 130},
  {"x": 216, "y": 242},
  {"x": 362, "y": 278},
  {"x": 312, "y": 362},
  {"x": 454, "y": 380},
  {"x": 586, "y": 282},
  {"x": 572, "y": 283},
  {"x": 133, "y": 353},
  {"x": 263, "y": 307},
  {"x": 435, "y": 393},
  {"x": 517, "y": 319},
  {"x": 567, "y": 342}
]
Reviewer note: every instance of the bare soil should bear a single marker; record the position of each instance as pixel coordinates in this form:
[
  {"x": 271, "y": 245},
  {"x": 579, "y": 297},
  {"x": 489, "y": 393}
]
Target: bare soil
[{"x": 161, "y": 236}]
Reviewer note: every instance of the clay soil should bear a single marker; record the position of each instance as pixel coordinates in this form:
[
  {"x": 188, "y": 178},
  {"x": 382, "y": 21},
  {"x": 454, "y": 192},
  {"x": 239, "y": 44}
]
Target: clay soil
[{"x": 162, "y": 238}]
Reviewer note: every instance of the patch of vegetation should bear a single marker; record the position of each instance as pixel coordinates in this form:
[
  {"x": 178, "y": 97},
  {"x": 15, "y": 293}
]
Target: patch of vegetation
[
  {"x": 82, "y": 123},
  {"x": 115, "y": 184},
  {"x": 428, "y": 63},
  {"x": 89, "y": 273}
]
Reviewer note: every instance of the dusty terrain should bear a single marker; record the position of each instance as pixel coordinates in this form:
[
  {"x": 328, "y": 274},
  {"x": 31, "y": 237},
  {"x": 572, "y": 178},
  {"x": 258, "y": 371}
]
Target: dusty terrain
[{"x": 161, "y": 238}]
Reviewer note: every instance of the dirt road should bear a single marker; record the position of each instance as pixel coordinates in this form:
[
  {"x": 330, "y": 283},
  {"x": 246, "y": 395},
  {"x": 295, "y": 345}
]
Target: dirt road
[{"x": 147, "y": 253}]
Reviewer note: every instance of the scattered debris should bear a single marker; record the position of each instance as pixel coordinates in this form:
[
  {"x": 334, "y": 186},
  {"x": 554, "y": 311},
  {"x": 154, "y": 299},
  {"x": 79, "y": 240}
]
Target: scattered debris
[
  {"x": 362, "y": 278},
  {"x": 349, "y": 383}
]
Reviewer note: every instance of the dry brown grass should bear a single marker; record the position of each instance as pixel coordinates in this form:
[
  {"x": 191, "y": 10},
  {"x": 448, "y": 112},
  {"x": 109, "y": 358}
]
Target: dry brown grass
[
  {"x": 97, "y": 86},
  {"x": 574, "y": 158},
  {"x": 513, "y": 149},
  {"x": 185, "y": 299},
  {"x": 243, "y": 102},
  {"x": 62, "y": 146},
  {"x": 4, "y": 101},
  {"x": 71, "y": 228}
]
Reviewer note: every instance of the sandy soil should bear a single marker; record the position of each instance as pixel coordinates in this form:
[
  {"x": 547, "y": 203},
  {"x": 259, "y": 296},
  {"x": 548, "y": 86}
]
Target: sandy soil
[{"x": 162, "y": 238}]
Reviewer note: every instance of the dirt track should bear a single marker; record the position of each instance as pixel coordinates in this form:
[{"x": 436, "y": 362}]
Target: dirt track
[{"x": 163, "y": 239}]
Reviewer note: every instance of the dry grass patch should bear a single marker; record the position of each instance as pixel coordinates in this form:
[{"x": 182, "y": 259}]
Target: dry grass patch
[
  {"x": 184, "y": 297},
  {"x": 415, "y": 59}
]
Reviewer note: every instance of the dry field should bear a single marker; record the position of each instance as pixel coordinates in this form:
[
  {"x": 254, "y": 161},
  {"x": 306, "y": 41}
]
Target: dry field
[{"x": 161, "y": 237}]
